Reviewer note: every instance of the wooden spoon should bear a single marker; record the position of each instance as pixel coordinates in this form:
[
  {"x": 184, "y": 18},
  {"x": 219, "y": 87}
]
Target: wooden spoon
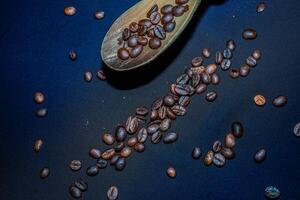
[{"x": 139, "y": 11}]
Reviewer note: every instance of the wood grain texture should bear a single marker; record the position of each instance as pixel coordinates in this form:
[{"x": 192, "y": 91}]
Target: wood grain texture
[{"x": 139, "y": 11}]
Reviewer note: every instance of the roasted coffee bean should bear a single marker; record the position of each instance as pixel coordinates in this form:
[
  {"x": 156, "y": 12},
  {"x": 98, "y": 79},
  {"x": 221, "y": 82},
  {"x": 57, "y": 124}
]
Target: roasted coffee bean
[
  {"x": 120, "y": 133},
  {"x": 184, "y": 101},
  {"x": 167, "y": 18},
  {"x": 260, "y": 155},
  {"x": 256, "y": 54},
  {"x": 126, "y": 152},
  {"x": 70, "y": 11},
  {"x": 119, "y": 146},
  {"x": 197, "y": 61},
  {"x": 112, "y": 193},
  {"x": 126, "y": 34},
  {"x": 190, "y": 89},
  {"x": 201, "y": 88},
  {"x": 234, "y": 73},
  {"x": 132, "y": 141},
  {"x": 249, "y": 34},
  {"x": 152, "y": 10},
  {"x": 169, "y": 100},
  {"x": 142, "y": 110},
  {"x": 237, "y": 129},
  {"x": 206, "y": 52},
  {"x": 215, "y": 79},
  {"x": 196, "y": 153},
  {"x": 182, "y": 79},
  {"x": 156, "y": 137},
  {"x": 145, "y": 22},
  {"x": 88, "y": 76},
  {"x": 75, "y": 192},
  {"x": 195, "y": 70},
  {"x": 244, "y": 70},
  {"x": 99, "y": 15},
  {"x": 211, "y": 96},
  {"x": 123, "y": 53},
  {"x": 136, "y": 51},
  {"x": 167, "y": 9},
  {"x": 152, "y": 129},
  {"x": 72, "y": 55},
  {"x": 142, "y": 40},
  {"x": 114, "y": 159},
  {"x": 159, "y": 32},
  {"x": 227, "y": 153},
  {"x": 171, "y": 172},
  {"x": 272, "y": 192},
  {"x": 170, "y": 138},
  {"x": 208, "y": 159},
  {"x": 179, "y": 110},
  {"x": 181, "y": 1},
  {"x": 132, "y": 41},
  {"x": 154, "y": 43},
  {"x": 219, "y": 58},
  {"x": 101, "y": 75},
  {"x": 297, "y": 130},
  {"x": 154, "y": 115},
  {"x": 227, "y": 54},
  {"x": 172, "y": 88},
  {"x": 171, "y": 114},
  {"x": 205, "y": 78},
  {"x": 41, "y": 112},
  {"x": 108, "y": 154},
  {"x": 132, "y": 124},
  {"x": 225, "y": 64},
  {"x": 195, "y": 80},
  {"x": 259, "y": 100},
  {"x": 37, "y": 145},
  {"x": 155, "y": 18},
  {"x": 120, "y": 164},
  {"x": 75, "y": 165},
  {"x": 139, "y": 147},
  {"x": 108, "y": 138},
  {"x": 95, "y": 153},
  {"x": 169, "y": 27},
  {"x": 178, "y": 10},
  {"x": 162, "y": 112},
  {"x": 44, "y": 173},
  {"x": 280, "y": 101},
  {"x": 260, "y": 7},
  {"x": 230, "y": 44},
  {"x": 39, "y": 97},
  {"x": 81, "y": 184},
  {"x": 210, "y": 69},
  {"x": 217, "y": 146},
  {"x": 101, "y": 163},
  {"x": 157, "y": 104},
  {"x": 133, "y": 27},
  {"x": 229, "y": 140},
  {"x": 250, "y": 61},
  {"x": 165, "y": 125},
  {"x": 143, "y": 30},
  {"x": 219, "y": 160}
]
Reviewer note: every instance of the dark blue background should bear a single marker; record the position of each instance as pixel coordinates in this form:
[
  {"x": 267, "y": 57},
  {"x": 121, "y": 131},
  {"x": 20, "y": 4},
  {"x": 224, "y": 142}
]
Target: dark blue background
[{"x": 35, "y": 39}]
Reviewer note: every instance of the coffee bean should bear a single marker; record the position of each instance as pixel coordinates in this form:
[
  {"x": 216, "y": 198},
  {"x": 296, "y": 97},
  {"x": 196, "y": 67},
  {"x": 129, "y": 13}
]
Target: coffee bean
[
  {"x": 72, "y": 55},
  {"x": 112, "y": 193},
  {"x": 210, "y": 69},
  {"x": 139, "y": 147},
  {"x": 272, "y": 192},
  {"x": 155, "y": 18},
  {"x": 237, "y": 129},
  {"x": 159, "y": 32},
  {"x": 95, "y": 153},
  {"x": 37, "y": 145},
  {"x": 169, "y": 100},
  {"x": 227, "y": 54},
  {"x": 156, "y": 137},
  {"x": 217, "y": 146},
  {"x": 75, "y": 165},
  {"x": 101, "y": 75},
  {"x": 88, "y": 76},
  {"x": 249, "y": 34},
  {"x": 142, "y": 31},
  {"x": 178, "y": 10},
  {"x": 297, "y": 130},
  {"x": 234, "y": 73},
  {"x": 197, "y": 61},
  {"x": 152, "y": 129},
  {"x": 126, "y": 34},
  {"x": 251, "y": 61},
  {"x": 123, "y": 53},
  {"x": 225, "y": 64},
  {"x": 196, "y": 153},
  {"x": 120, "y": 133},
  {"x": 145, "y": 22},
  {"x": 114, "y": 159},
  {"x": 201, "y": 88},
  {"x": 227, "y": 153},
  {"x": 126, "y": 152},
  {"x": 219, "y": 160},
  {"x": 229, "y": 140},
  {"x": 41, "y": 112},
  {"x": 184, "y": 101},
  {"x": 195, "y": 80},
  {"x": 169, "y": 27},
  {"x": 154, "y": 115},
  {"x": 170, "y": 138},
  {"x": 182, "y": 79},
  {"x": 39, "y": 97},
  {"x": 108, "y": 154},
  {"x": 75, "y": 192},
  {"x": 152, "y": 10},
  {"x": 167, "y": 9},
  {"x": 211, "y": 96},
  {"x": 259, "y": 100},
  {"x": 195, "y": 70},
  {"x": 44, "y": 173},
  {"x": 167, "y": 18},
  {"x": 142, "y": 110},
  {"x": 162, "y": 112},
  {"x": 120, "y": 164},
  {"x": 260, "y": 7},
  {"x": 230, "y": 44},
  {"x": 260, "y": 155},
  {"x": 256, "y": 54},
  {"x": 244, "y": 70},
  {"x": 181, "y": 1},
  {"x": 119, "y": 146},
  {"x": 205, "y": 77},
  {"x": 219, "y": 58},
  {"x": 133, "y": 27},
  {"x": 156, "y": 104},
  {"x": 215, "y": 79},
  {"x": 154, "y": 43},
  {"x": 101, "y": 163},
  {"x": 280, "y": 101},
  {"x": 171, "y": 114},
  {"x": 179, "y": 110},
  {"x": 132, "y": 141},
  {"x": 136, "y": 51},
  {"x": 206, "y": 52},
  {"x": 108, "y": 138},
  {"x": 81, "y": 184},
  {"x": 132, "y": 41},
  {"x": 70, "y": 11},
  {"x": 165, "y": 125},
  {"x": 99, "y": 15},
  {"x": 171, "y": 172},
  {"x": 132, "y": 124},
  {"x": 208, "y": 159}
]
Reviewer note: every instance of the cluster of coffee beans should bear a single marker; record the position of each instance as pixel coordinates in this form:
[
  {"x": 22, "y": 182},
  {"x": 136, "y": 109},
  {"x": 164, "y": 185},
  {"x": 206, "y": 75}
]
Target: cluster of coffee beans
[
  {"x": 150, "y": 31},
  {"x": 88, "y": 76},
  {"x": 220, "y": 153},
  {"x": 77, "y": 188}
]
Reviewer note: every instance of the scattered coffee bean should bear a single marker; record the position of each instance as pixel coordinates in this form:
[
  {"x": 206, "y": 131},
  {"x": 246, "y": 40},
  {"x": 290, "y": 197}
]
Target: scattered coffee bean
[
  {"x": 256, "y": 54},
  {"x": 155, "y": 18},
  {"x": 170, "y": 138},
  {"x": 42, "y": 112},
  {"x": 152, "y": 128},
  {"x": 197, "y": 61},
  {"x": 171, "y": 172},
  {"x": 88, "y": 76},
  {"x": 196, "y": 153},
  {"x": 37, "y": 145},
  {"x": 114, "y": 159},
  {"x": 142, "y": 135},
  {"x": 132, "y": 141},
  {"x": 99, "y": 14},
  {"x": 244, "y": 70},
  {"x": 169, "y": 27},
  {"x": 75, "y": 192},
  {"x": 280, "y": 101},
  {"x": 228, "y": 153},
  {"x": 179, "y": 110},
  {"x": 237, "y": 129},
  {"x": 249, "y": 34},
  {"x": 139, "y": 147},
  {"x": 119, "y": 146},
  {"x": 154, "y": 43},
  {"x": 217, "y": 146},
  {"x": 126, "y": 152},
  {"x": 108, "y": 139},
  {"x": 70, "y": 11},
  {"x": 39, "y": 97},
  {"x": 230, "y": 44},
  {"x": 211, "y": 96},
  {"x": 101, "y": 163},
  {"x": 169, "y": 100},
  {"x": 182, "y": 79},
  {"x": 219, "y": 58},
  {"x": 108, "y": 154},
  {"x": 208, "y": 159},
  {"x": 206, "y": 52},
  {"x": 184, "y": 101},
  {"x": 229, "y": 140},
  {"x": 120, "y": 164},
  {"x": 210, "y": 69},
  {"x": 73, "y": 55},
  {"x": 112, "y": 193},
  {"x": 219, "y": 160},
  {"x": 165, "y": 124},
  {"x": 156, "y": 137},
  {"x": 201, "y": 88},
  {"x": 251, "y": 61},
  {"x": 92, "y": 170},
  {"x": 260, "y": 155},
  {"x": 234, "y": 74},
  {"x": 260, "y": 7},
  {"x": 101, "y": 75},
  {"x": 272, "y": 192},
  {"x": 259, "y": 100},
  {"x": 227, "y": 54},
  {"x": 297, "y": 130},
  {"x": 152, "y": 10},
  {"x": 162, "y": 112},
  {"x": 132, "y": 124},
  {"x": 75, "y": 165},
  {"x": 95, "y": 153},
  {"x": 171, "y": 115},
  {"x": 142, "y": 110},
  {"x": 44, "y": 173},
  {"x": 215, "y": 79},
  {"x": 205, "y": 77},
  {"x": 225, "y": 64},
  {"x": 123, "y": 53},
  {"x": 81, "y": 184},
  {"x": 120, "y": 133}
]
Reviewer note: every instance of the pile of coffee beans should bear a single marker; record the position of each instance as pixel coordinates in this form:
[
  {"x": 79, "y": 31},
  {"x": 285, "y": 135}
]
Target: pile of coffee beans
[{"x": 151, "y": 30}]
